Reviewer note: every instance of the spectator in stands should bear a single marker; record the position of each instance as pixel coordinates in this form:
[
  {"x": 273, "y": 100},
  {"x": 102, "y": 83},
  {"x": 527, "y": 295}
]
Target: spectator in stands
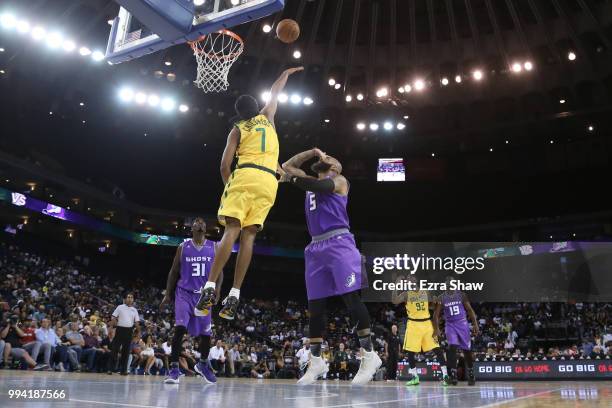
[
  {"x": 235, "y": 360},
  {"x": 216, "y": 356},
  {"x": 341, "y": 359},
  {"x": 28, "y": 340},
  {"x": 11, "y": 333},
  {"x": 49, "y": 341},
  {"x": 76, "y": 340},
  {"x": 260, "y": 370},
  {"x": 91, "y": 345},
  {"x": 65, "y": 355}
]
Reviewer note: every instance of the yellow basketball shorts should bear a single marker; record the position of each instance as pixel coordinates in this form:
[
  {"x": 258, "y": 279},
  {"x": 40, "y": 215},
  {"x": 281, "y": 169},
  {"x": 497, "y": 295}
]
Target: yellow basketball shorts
[
  {"x": 419, "y": 337},
  {"x": 248, "y": 196}
]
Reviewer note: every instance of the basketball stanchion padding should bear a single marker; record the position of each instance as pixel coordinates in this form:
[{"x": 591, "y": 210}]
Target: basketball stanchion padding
[{"x": 215, "y": 54}]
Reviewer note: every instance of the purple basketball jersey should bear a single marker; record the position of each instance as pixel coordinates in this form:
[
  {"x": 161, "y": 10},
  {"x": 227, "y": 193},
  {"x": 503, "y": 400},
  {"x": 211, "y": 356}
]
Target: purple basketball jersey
[
  {"x": 195, "y": 265},
  {"x": 325, "y": 212},
  {"x": 454, "y": 310}
]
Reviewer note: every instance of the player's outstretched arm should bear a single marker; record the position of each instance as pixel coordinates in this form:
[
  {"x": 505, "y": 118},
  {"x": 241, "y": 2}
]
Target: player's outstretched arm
[
  {"x": 228, "y": 154},
  {"x": 173, "y": 276},
  {"x": 270, "y": 109}
]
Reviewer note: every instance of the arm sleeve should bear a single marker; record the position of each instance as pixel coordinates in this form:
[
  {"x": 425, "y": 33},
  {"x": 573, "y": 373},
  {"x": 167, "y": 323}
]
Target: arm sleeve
[{"x": 314, "y": 185}]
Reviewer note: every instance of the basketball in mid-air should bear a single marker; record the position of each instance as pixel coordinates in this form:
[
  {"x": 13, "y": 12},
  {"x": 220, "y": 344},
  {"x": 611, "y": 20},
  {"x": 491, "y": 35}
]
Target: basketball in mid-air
[{"x": 287, "y": 30}]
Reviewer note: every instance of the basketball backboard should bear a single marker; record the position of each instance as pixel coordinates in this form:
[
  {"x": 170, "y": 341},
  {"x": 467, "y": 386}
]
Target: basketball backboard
[{"x": 146, "y": 26}]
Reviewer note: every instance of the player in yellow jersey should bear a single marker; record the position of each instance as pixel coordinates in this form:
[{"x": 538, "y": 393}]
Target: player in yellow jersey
[
  {"x": 419, "y": 335},
  {"x": 250, "y": 190}
]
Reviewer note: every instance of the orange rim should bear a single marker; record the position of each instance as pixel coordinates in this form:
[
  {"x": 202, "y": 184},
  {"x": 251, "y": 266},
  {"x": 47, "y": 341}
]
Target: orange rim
[{"x": 194, "y": 47}]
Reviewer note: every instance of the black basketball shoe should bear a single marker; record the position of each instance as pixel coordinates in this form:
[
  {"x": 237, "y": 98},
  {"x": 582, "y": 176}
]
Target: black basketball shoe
[
  {"x": 207, "y": 299},
  {"x": 453, "y": 376},
  {"x": 230, "y": 305},
  {"x": 471, "y": 378}
]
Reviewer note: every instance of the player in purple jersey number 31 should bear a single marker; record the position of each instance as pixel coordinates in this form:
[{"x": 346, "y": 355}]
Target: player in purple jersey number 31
[
  {"x": 188, "y": 274},
  {"x": 332, "y": 261}
]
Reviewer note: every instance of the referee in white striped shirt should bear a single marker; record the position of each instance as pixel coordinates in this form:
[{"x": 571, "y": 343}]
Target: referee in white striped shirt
[{"x": 125, "y": 317}]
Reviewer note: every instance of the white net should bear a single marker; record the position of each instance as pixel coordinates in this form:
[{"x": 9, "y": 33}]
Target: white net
[{"x": 215, "y": 53}]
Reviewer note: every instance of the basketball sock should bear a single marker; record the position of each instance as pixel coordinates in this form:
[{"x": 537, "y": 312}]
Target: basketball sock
[
  {"x": 469, "y": 359},
  {"x": 177, "y": 341},
  {"x": 440, "y": 356},
  {"x": 413, "y": 372},
  {"x": 452, "y": 357},
  {"x": 411, "y": 361},
  {"x": 210, "y": 284},
  {"x": 366, "y": 342},
  {"x": 444, "y": 370},
  {"x": 315, "y": 349},
  {"x": 204, "y": 348},
  {"x": 235, "y": 292}
]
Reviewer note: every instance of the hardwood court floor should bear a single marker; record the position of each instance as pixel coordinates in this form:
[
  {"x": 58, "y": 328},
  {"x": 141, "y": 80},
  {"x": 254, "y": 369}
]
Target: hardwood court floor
[{"x": 100, "y": 390}]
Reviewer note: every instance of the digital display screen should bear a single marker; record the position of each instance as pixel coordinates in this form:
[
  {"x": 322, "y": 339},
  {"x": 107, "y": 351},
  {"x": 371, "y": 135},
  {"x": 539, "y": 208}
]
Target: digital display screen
[{"x": 391, "y": 170}]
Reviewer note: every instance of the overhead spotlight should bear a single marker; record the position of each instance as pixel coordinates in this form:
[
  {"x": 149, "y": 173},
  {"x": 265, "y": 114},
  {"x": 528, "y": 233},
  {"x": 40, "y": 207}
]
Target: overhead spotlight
[
  {"x": 326, "y": 120},
  {"x": 198, "y": 2},
  {"x": 140, "y": 98},
  {"x": 433, "y": 155},
  {"x": 571, "y": 56},
  {"x": 517, "y": 67},
  {"x": 54, "y": 40},
  {"x": 23, "y": 27},
  {"x": 168, "y": 63},
  {"x": 68, "y": 46},
  {"x": 331, "y": 82},
  {"x": 408, "y": 88},
  {"x": 295, "y": 99},
  {"x": 458, "y": 79},
  {"x": 591, "y": 128},
  {"x": 400, "y": 126},
  {"x": 97, "y": 56},
  {"x": 282, "y": 97},
  {"x": 38, "y": 33},
  {"x": 361, "y": 126},
  {"x": 7, "y": 20},
  {"x": 374, "y": 127},
  {"x": 401, "y": 89},
  {"x": 168, "y": 104},
  {"x": 406, "y": 117},
  {"x": 561, "y": 101},
  {"x": 84, "y": 51},
  {"x": 2, "y": 49},
  {"x": 235, "y": 2},
  {"x": 171, "y": 77},
  {"x": 388, "y": 125},
  {"x": 382, "y": 92},
  {"x": 552, "y": 141},
  {"x": 477, "y": 74},
  {"x": 308, "y": 101},
  {"x": 419, "y": 85},
  {"x": 348, "y": 98},
  {"x": 126, "y": 94},
  {"x": 360, "y": 97},
  {"x": 2, "y": 72},
  {"x": 507, "y": 142},
  {"x": 337, "y": 86},
  {"x": 490, "y": 149},
  {"x": 183, "y": 108},
  {"x": 109, "y": 22},
  {"x": 267, "y": 28},
  {"x": 265, "y": 96},
  {"x": 297, "y": 54},
  {"x": 528, "y": 66},
  {"x": 153, "y": 100},
  {"x": 444, "y": 81}
]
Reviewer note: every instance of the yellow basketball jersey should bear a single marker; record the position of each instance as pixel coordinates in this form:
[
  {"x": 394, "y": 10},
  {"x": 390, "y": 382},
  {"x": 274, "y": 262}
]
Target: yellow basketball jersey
[
  {"x": 417, "y": 305},
  {"x": 258, "y": 142}
]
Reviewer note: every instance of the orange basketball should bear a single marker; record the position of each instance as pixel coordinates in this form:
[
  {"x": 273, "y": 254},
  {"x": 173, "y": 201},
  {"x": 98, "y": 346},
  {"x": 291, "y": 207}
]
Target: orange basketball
[{"x": 287, "y": 31}]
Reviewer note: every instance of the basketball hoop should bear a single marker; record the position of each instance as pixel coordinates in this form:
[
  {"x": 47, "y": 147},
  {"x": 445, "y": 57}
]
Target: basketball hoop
[{"x": 215, "y": 54}]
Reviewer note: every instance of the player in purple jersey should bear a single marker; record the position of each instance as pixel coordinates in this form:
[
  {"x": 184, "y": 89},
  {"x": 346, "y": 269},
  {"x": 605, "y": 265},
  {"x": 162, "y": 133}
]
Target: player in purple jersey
[
  {"x": 188, "y": 274},
  {"x": 457, "y": 329},
  {"x": 333, "y": 263}
]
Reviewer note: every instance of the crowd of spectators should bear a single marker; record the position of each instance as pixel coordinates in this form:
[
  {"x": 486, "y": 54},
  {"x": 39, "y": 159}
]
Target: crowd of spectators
[{"x": 54, "y": 315}]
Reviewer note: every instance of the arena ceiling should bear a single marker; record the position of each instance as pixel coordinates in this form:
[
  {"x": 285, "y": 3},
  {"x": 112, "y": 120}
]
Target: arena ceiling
[{"x": 506, "y": 136}]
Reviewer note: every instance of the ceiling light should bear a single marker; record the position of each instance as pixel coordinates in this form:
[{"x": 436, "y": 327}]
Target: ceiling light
[
  {"x": 183, "y": 108},
  {"x": 419, "y": 85},
  {"x": 408, "y": 88},
  {"x": 282, "y": 97},
  {"x": 400, "y": 89},
  {"x": 8, "y": 20},
  {"x": 267, "y": 28},
  {"x": 458, "y": 79},
  {"x": 433, "y": 155},
  {"x": 168, "y": 63},
  {"x": 126, "y": 94},
  {"x": 84, "y": 51},
  {"x": 401, "y": 126},
  {"x": 23, "y": 27},
  {"x": 348, "y": 98},
  {"x": 198, "y": 2},
  {"x": 490, "y": 149},
  {"x": 517, "y": 67},
  {"x": 571, "y": 56},
  {"x": 388, "y": 125},
  {"x": 337, "y": 86},
  {"x": 406, "y": 116},
  {"x": 591, "y": 128},
  {"x": 153, "y": 100},
  {"x": 360, "y": 97},
  {"x": 382, "y": 92},
  {"x": 477, "y": 75},
  {"x": 331, "y": 82},
  {"x": 561, "y": 101},
  {"x": 374, "y": 126},
  {"x": 97, "y": 56},
  {"x": 326, "y": 120},
  {"x": 361, "y": 126},
  {"x": 265, "y": 96},
  {"x": 444, "y": 81},
  {"x": 68, "y": 46},
  {"x": 168, "y": 104},
  {"x": 528, "y": 66},
  {"x": 295, "y": 99},
  {"x": 297, "y": 54},
  {"x": 308, "y": 101},
  {"x": 54, "y": 40},
  {"x": 140, "y": 98}
]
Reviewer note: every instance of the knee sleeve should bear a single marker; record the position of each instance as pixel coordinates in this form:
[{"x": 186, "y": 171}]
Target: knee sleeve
[{"x": 358, "y": 311}]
